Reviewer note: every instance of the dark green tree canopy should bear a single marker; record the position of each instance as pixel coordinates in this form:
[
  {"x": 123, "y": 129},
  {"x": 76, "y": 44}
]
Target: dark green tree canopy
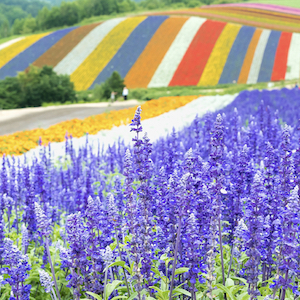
[{"x": 34, "y": 87}]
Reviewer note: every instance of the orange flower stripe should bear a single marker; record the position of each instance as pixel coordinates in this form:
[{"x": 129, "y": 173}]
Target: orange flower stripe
[
  {"x": 144, "y": 68},
  {"x": 22, "y": 141},
  {"x": 249, "y": 57}
]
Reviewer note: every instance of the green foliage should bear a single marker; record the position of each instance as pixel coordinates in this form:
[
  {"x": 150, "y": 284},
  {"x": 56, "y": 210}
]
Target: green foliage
[
  {"x": 113, "y": 83},
  {"x": 34, "y": 87}
]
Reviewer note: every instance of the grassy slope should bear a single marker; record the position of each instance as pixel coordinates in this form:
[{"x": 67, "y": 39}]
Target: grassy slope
[{"x": 290, "y": 3}]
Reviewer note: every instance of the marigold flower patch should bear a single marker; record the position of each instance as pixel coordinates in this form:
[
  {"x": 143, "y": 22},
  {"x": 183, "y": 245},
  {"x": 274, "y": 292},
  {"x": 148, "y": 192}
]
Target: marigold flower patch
[{"x": 21, "y": 142}]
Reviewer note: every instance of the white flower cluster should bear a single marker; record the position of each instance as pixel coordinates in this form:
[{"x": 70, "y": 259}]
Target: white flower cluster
[{"x": 46, "y": 281}]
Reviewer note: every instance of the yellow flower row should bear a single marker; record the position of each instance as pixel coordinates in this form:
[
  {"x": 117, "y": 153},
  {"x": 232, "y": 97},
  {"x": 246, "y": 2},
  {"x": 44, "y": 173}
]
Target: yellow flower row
[
  {"x": 21, "y": 142},
  {"x": 217, "y": 59},
  {"x": 88, "y": 71},
  {"x": 13, "y": 50}
]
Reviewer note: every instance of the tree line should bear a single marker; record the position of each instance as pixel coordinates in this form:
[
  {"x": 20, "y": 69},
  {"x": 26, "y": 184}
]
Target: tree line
[{"x": 29, "y": 16}]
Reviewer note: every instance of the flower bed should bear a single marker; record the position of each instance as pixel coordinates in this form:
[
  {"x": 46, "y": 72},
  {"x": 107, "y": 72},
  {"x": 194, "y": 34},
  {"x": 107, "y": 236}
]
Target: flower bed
[
  {"x": 281, "y": 57},
  {"x": 29, "y": 55},
  {"x": 129, "y": 52},
  {"x": 243, "y": 77},
  {"x": 176, "y": 52},
  {"x": 218, "y": 57},
  {"x": 9, "y": 52},
  {"x": 237, "y": 55},
  {"x": 84, "y": 76},
  {"x": 86, "y": 46},
  {"x": 144, "y": 68},
  {"x": 207, "y": 212},
  {"x": 195, "y": 59},
  {"x": 65, "y": 45},
  {"x": 20, "y": 142}
]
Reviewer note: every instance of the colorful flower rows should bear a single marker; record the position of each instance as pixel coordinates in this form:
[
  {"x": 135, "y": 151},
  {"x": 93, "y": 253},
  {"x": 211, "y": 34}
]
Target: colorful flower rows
[
  {"x": 263, "y": 6},
  {"x": 59, "y": 50},
  {"x": 85, "y": 75},
  {"x": 243, "y": 77},
  {"x": 144, "y": 68},
  {"x": 176, "y": 52},
  {"x": 29, "y": 55},
  {"x": 86, "y": 47},
  {"x": 8, "y": 53},
  {"x": 217, "y": 59},
  {"x": 21, "y": 142},
  {"x": 130, "y": 51},
  {"x": 260, "y": 16},
  {"x": 159, "y": 51}
]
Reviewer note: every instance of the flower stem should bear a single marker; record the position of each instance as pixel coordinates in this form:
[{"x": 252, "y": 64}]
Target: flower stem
[
  {"x": 175, "y": 258},
  {"x": 52, "y": 269},
  {"x": 120, "y": 254},
  {"x": 105, "y": 283},
  {"x": 221, "y": 252}
]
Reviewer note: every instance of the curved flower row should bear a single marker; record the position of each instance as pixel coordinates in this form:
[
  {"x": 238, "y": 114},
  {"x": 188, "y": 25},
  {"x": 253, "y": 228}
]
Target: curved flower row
[
  {"x": 21, "y": 142},
  {"x": 60, "y": 50},
  {"x": 87, "y": 72},
  {"x": 271, "y": 18},
  {"x": 218, "y": 57},
  {"x": 8, "y": 53},
  {"x": 144, "y": 68}
]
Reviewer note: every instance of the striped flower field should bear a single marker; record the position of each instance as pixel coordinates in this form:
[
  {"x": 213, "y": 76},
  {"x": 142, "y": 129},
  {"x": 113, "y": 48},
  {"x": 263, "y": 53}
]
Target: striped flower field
[{"x": 163, "y": 50}]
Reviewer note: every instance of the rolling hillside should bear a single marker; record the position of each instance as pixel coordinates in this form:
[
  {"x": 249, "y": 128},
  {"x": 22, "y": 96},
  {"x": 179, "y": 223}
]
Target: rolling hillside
[{"x": 159, "y": 51}]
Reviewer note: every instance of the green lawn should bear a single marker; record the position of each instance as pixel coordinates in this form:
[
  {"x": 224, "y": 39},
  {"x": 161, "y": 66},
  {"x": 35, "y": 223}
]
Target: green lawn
[{"x": 290, "y": 3}]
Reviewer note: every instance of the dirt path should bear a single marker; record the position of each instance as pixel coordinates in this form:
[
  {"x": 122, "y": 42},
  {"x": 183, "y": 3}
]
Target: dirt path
[{"x": 42, "y": 117}]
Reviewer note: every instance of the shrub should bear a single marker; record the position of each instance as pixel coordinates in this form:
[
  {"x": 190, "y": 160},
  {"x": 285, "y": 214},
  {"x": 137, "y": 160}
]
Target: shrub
[
  {"x": 34, "y": 87},
  {"x": 113, "y": 83}
]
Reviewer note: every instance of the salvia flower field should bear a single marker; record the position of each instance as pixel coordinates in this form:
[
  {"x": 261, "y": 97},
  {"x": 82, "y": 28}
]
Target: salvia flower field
[{"x": 207, "y": 212}]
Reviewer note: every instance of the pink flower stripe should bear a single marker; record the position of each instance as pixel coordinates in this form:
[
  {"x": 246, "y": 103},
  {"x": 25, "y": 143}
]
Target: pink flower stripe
[{"x": 271, "y": 7}]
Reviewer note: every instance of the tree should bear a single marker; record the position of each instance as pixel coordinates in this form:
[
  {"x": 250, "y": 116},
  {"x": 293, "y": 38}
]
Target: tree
[
  {"x": 44, "y": 86},
  {"x": 69, "y": 13},
  {"x": 10, "y": 93},
  {"x": 5, "y": 29},
  {"x": 29, "y": 25},
  {"x": 17, "y": 27},
  {"x": 113, "y": 83}
]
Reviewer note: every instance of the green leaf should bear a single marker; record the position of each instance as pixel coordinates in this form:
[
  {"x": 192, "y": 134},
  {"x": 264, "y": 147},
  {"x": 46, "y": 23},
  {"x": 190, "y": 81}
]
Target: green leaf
[
  {"x": 181, "y": 271},
  {"x": 132, "y": 296},
  {"x": 180, "y": 291},
  {"x": 226, "y": 290},
  {"x": 110, "y": 287},
  {"x": 243, "y": 280},
  {"x": 98, "y": 297},
  {"x": 119, "y": 297},
  {"x": 116, "y": 263},
  {"x": 229, "y": 282},
  {"x": 243, "y": 296}
]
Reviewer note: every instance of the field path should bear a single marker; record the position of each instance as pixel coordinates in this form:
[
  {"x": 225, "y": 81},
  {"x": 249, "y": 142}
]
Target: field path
[{"x": 14, "y": 120}]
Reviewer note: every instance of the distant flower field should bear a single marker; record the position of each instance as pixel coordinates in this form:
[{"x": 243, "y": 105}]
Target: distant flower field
[
  {"x": 162, "y": 50},
  {"x": 23, "y": 141}
]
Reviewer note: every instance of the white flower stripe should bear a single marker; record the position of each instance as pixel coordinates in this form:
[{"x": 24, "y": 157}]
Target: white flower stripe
[
  {"x": 258, "y": 56},
  {"x": 174, "y": 55},
  {"x": 88, "y": 44},
  {"x": 293, "y": 64},
  {"x": 8, "y": 43}
]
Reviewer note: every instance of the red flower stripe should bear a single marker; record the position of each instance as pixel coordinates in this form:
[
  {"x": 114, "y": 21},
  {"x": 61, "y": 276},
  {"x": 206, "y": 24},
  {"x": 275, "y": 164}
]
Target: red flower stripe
[
  {"x": 193, "y": 63},
  {"x": 281, "y": 57}
]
